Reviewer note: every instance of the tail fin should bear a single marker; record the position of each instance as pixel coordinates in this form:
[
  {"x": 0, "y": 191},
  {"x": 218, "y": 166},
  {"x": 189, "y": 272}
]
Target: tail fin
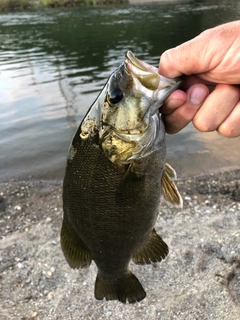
[{"x": 127, "y": 288}]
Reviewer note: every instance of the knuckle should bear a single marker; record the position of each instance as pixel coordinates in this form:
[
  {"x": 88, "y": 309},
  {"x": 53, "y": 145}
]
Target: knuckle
[
  {"x": 228, "y": 131},
  {"x": 229, "y": 90},
  {"x": 202, "y": 124}
]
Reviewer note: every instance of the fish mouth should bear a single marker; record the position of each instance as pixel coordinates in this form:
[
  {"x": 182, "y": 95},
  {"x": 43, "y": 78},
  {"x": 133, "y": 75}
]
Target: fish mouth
[
  {"x": 146, "y": 74},
  {"x": 160, "y": 86},
  {"x": 141, "y": 65},
  {"x": 136, "y": 62}
]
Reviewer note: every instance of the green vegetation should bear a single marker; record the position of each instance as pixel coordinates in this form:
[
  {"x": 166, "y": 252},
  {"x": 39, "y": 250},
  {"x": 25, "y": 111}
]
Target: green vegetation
[
  {"x": 24, "y": 4},
  {"x": 61, "y": 3},
  {"x": 14, "y": 4},
  {"x": 65, "y": 3}
]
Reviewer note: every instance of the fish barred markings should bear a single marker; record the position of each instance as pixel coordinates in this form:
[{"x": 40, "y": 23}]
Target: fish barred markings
[{"x": 115, "y": 176}]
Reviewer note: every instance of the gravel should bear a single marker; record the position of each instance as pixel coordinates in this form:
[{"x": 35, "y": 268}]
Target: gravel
[{"x": 200, "y": 278}]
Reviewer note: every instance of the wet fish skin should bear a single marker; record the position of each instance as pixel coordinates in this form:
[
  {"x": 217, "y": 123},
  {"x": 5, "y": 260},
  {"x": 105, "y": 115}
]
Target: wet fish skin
[{"x": 111, "y": 203}]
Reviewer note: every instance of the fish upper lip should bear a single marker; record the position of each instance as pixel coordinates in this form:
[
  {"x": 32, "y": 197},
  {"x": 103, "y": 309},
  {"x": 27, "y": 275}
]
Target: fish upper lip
[
  {"x": 146, "y": 74},
  {"x": 136, "y": 62}
]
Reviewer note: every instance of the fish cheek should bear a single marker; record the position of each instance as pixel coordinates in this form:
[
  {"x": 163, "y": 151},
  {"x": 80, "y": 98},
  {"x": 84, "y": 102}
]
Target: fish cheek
[
  {"x": 109, "y": 114},
  {"x": 118, "y": 150}
]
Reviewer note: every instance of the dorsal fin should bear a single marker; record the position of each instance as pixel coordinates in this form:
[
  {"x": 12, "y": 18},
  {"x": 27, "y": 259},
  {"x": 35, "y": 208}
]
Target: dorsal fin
[{"x": 169, "y": 190}]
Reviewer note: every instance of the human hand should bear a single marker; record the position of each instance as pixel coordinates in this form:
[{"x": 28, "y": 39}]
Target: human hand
[{"x": 210, "y": 95}]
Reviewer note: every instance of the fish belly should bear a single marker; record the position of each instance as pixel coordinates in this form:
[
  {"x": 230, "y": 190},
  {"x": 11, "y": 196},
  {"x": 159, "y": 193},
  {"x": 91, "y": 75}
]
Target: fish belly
[{"x": 111, "y": 210}]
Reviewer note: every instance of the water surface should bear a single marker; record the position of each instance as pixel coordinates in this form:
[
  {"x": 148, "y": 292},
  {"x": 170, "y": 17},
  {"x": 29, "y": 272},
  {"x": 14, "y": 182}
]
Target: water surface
[{"x": 53, "y": 63}]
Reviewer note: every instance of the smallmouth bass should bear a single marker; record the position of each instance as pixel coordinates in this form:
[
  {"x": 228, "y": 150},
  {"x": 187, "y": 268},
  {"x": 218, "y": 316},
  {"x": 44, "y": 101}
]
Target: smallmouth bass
[{"x": 115, "y": 176}]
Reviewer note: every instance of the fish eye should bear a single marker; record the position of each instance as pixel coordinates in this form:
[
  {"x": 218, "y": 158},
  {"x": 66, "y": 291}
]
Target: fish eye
[{"x": 115, "y": 96}]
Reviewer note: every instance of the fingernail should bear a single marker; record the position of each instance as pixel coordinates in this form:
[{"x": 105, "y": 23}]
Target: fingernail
[{"x": 197, "y": 95}]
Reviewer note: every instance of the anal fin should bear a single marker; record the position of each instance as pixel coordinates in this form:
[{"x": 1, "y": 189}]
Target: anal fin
[
  {"x": 153, "y": 250},
  {"x": 74, "y": 249},
  {"x": 125, "y": 288}
]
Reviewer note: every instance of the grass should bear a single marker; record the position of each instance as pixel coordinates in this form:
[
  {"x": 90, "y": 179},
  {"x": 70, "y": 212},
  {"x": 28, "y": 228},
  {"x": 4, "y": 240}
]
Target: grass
[
  {"x": 14, "y": 4},
  {"x": 61, "y": 3},
  {"x": 24, "y": 4}
]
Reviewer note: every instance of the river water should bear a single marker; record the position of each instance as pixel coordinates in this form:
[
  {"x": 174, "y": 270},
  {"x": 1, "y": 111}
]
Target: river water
[{"x": 53, "y": 63}]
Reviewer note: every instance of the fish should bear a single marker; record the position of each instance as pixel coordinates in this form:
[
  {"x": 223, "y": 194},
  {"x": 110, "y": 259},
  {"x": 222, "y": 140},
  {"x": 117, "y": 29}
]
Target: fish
[{"x": 115, "y": 177}]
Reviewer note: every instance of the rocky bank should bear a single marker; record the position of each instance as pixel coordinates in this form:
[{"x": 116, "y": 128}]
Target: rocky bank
[{"x": 200, "y": 278}]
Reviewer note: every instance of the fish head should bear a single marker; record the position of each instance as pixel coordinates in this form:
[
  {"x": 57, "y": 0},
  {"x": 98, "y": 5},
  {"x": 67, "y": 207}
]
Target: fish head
[{"x": 126, "y": 113}]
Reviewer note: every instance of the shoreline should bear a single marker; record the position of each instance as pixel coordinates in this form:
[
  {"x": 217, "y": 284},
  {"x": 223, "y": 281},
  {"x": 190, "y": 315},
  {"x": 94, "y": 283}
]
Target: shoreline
[
  {"x": 13, "y": 5},
  {"x": 198, "y": 280}
]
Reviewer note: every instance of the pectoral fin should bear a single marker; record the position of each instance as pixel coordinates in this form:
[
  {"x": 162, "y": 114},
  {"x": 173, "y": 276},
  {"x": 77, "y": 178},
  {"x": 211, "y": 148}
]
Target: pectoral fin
[
  {"x": 153, "y": 250},
  {"x": 170, "y": 171},
  {"x": 169, "y": 189},
  {"x": 74, "y": 249}
]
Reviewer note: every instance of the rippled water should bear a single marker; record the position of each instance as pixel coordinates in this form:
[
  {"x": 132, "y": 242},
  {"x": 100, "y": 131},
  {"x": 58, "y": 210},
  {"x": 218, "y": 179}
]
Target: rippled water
[{"x": 53, "y": 63}]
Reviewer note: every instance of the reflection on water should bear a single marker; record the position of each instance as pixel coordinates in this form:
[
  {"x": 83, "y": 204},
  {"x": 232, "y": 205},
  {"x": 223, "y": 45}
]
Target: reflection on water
[{"x": 53, "y": 64}]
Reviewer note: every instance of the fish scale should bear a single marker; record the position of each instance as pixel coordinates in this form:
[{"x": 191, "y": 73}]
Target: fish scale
[{"x": 111, "y": 203}]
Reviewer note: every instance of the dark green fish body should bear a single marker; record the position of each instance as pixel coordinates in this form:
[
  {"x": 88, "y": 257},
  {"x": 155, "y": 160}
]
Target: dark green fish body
[{"x": 111, "y": 203}]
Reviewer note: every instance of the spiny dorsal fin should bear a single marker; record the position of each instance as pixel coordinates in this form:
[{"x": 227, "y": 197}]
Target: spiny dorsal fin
[
  {"x": 169, "y": 189},
  {"x": 153, "y": 250}
]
